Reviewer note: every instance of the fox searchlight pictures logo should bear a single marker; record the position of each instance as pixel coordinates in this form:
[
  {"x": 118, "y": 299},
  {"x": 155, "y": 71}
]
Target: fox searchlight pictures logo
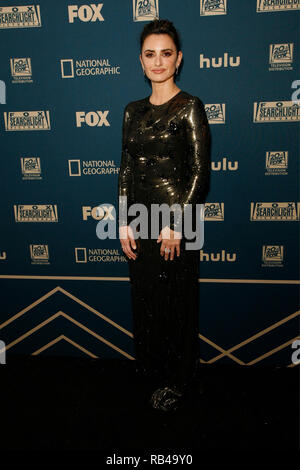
[{"x": 24, "y": 16}]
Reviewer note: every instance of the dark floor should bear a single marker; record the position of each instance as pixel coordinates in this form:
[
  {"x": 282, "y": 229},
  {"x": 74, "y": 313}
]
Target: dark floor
[{"x": 100, "y": 404}]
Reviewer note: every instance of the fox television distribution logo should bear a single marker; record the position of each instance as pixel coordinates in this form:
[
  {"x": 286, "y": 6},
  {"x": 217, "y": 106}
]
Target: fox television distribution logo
[
  {"x": 272, "y": 255},
  {"x": 215, "y": 113},
  {"x": 31, "y": 168},
  {"x": 24, "y": 16},
  {"x": 281, "y": 56},
  {"x": 39, "y": 254},
  {"x": 213, "y": 7},
  {"x": 277, "y": 163},
  {"x": 21, "y": 70},
  {"x": 145, "y": 10},
  {"x": 214, "y": 211}
]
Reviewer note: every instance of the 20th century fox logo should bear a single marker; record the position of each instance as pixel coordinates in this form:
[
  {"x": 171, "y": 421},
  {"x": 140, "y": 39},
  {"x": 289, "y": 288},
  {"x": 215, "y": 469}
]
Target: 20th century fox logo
[{"x": 145, "y": 10}]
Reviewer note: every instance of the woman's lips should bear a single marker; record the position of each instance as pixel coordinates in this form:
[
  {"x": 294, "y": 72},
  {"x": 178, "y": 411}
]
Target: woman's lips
[{"x": 158, "y": 70}]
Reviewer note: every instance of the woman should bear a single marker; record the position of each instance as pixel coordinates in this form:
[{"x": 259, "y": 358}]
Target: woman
[{"x": 165, "y": 159}]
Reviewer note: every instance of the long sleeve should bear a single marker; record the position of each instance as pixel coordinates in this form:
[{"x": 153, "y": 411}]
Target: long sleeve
[
  {"x": 198, "y": 141},
  {"x": 125, "y": 179}
]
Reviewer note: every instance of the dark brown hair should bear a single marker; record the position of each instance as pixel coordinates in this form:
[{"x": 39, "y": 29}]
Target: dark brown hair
[{"x": 161, "y": 27}]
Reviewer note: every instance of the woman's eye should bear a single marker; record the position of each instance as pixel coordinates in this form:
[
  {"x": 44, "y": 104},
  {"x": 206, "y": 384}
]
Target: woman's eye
[{"x": 165, "y": 54}]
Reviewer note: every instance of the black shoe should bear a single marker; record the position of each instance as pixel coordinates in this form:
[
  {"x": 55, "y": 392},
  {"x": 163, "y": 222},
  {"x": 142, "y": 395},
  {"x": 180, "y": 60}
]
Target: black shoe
[{"x": 168, "y": 398}]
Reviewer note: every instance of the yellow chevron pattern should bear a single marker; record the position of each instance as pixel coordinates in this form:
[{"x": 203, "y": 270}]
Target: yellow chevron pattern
[{"x": 221, "y": 350}]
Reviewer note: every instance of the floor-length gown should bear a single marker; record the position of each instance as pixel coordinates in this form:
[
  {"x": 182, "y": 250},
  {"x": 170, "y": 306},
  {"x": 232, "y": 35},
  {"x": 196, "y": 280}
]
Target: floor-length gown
[{"x": 165, "y": 159}]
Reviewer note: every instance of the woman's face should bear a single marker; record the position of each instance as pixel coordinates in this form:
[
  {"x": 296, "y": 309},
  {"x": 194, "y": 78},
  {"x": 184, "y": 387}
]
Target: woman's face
[{"x": 159, "y": 57}]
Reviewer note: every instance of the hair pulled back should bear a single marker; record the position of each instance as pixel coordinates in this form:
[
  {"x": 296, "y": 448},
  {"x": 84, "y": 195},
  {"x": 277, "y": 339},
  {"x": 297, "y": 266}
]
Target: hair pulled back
[{"x": 162, "y": 26}]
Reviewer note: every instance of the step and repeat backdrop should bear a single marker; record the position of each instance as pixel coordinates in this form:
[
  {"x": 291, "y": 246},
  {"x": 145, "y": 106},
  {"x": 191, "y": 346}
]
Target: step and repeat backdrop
[{"x": 67, "y": 71}]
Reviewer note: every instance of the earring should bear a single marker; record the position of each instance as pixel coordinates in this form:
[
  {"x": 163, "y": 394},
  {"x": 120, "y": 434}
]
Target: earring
[
  {"x": 144, "y": 70},
  {"x": 177, "y": 69}
]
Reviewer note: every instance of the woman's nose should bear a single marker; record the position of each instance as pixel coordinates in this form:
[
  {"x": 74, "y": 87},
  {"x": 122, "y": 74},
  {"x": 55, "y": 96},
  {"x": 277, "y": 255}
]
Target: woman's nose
[{"x": 157, "y": 60}]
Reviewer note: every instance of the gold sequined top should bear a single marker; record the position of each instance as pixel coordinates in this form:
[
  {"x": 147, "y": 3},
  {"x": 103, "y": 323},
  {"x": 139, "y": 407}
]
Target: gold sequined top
[{"x": 165, "y": 152}]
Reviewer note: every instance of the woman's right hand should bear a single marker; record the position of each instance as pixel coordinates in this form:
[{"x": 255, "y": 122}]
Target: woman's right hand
[{"x": 127, "y": 241}]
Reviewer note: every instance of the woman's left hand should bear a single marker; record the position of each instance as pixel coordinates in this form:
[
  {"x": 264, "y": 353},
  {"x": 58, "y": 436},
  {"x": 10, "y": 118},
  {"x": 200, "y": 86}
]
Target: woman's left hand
[{"x": 170, "y": 242}]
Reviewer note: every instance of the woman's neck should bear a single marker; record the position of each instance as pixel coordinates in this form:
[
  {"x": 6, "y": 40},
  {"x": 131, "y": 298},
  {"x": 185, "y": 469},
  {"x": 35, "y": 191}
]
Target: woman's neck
[{"x": 162, "y": 92}]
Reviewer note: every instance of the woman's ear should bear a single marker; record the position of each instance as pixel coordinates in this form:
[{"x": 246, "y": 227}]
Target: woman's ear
[
  {"x": 142, "y": 64},
  {"x": 179, "y": 58}
]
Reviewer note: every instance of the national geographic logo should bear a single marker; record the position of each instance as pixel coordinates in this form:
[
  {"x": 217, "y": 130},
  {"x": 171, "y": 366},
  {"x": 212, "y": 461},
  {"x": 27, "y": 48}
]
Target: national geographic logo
[
  {"x": 39, "y": 254},
  {"x": 276, "y": 111},
  {"x": 35, "y": 213},
  {"x": 85, "y": 13},
  {"x": 87, "y": 67},
  {"x": 222, "y": 257},
  {"x": 21, "y": 70},
  {"x": 24, "y": 16},
  {"x": 31, "y": 168},
  {"x": 281, "y": 57},
  {"x": 277, "y": 5},
  {"x": 215, "y": 113},
  {"x": 214, "y": 211},
  {"x": 213, "y": 7},
  {"x": 272, "y": 255},
  {"x": 276, "y": 163},
  {"x": 279, "y": 211},
  {"x": 92, "y": 167},
  {"x": 98, "y": 255},
  {"x": 27, "y": 121},
  {"x": 92, "y": 118},
  {"x": 225, "y": 165},
  {"x": 145, "y": 10}
]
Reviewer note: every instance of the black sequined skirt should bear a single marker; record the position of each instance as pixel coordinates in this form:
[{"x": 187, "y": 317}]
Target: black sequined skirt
[{"x": 165, "y": 308}]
